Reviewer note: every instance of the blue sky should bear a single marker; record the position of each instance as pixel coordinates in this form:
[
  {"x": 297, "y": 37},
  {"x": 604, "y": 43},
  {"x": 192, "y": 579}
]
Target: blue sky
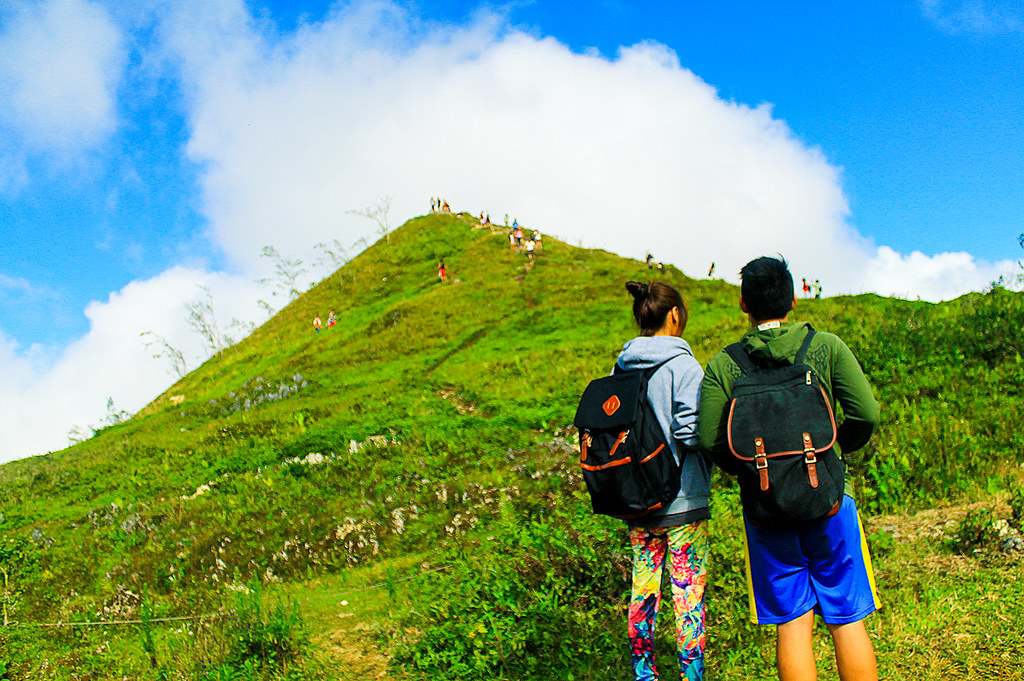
[{"x": 152, "y": 149}]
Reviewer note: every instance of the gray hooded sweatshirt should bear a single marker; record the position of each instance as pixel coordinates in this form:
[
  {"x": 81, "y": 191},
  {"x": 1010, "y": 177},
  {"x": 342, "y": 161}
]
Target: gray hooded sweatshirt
[{"x": 674, "y": 393}]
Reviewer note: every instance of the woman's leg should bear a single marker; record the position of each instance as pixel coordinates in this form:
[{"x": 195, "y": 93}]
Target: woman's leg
[
  {"x": 689, "y": 547},
  {"x": 648, "y": 559}
]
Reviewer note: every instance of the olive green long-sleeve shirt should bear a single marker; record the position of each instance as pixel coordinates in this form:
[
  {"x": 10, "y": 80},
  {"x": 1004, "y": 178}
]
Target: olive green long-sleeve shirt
[{"x": 828, "y": 355}]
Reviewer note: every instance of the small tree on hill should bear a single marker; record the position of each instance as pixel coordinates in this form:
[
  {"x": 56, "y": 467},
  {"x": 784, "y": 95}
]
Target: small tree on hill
[
  {"x": 244, "y": 328},
  {"x": 78, "y": 434},
  {"x": 379, "y": 214},
  {"x": 202, "y": 319},
  {"x": 115, "y": 415},
  {"x": 165, "y": 349},
  {"x": 334, "y": 255},
  {"x": 286, "y": 271}
]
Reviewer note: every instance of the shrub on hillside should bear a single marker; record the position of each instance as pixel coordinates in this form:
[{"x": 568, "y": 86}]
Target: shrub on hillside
[
  {"x": 990, "y": 326},
  {"x": 1017, "y": 508},
  {"x": 977, "y": 531},
  {"x": 264, "y": 636},
  {"x": 548, "y": 593}
]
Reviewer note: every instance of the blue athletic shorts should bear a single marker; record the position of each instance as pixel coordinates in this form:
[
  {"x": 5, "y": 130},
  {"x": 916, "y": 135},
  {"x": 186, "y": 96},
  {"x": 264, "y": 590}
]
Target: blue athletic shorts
[{"x": 823, "y": 566}]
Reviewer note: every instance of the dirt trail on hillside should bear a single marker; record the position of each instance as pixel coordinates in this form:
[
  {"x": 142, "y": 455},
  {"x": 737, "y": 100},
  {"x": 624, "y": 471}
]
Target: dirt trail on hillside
[
  {"x": 942, "y": 525},
  {"x": 355, "y": 655},
  {"x": 934, "y": 523}
]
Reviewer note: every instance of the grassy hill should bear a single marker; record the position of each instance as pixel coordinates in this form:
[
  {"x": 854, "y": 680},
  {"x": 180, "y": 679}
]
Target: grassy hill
[{"x": 399, "y": 494}]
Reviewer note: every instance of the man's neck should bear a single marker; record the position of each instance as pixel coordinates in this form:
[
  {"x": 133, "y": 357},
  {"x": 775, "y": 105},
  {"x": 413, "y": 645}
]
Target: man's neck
[{"x": 766, "y": 324}]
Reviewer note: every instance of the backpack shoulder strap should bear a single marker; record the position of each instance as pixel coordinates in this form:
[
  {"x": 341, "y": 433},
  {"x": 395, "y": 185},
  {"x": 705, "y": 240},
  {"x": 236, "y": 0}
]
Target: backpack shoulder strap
[
  {"x": 648, "y": 372},
  {"x": 740, "y": 356},
  {"x": 802, "y": 352}
]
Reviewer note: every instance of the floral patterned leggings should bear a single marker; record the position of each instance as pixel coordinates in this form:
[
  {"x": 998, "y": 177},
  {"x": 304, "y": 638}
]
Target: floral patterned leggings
[{"x": 688, "y": 547}]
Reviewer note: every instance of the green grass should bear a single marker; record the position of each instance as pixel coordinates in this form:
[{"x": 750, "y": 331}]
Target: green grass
[{"x": 471, "y": 386}]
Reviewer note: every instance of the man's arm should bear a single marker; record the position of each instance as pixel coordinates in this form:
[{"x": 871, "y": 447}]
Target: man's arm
[
  {"x": 851, "y": 389},
  {"x": 712, "y": 415}
]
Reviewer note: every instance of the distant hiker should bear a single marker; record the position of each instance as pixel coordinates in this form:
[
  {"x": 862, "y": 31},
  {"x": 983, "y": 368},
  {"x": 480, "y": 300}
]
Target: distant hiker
[
  {"x": 711, "y": 270},
  {"x": 650, "y": 261},
  {"x": 488, "y": 219},
  {"x": 538, "y": 245},
  {"x": 316, "y": 324},
  {"x": 512, "y": 240},
  {"x": 445, "y": 208},
  {"x": 506, "y": 219},
  {"x": 804, "y": 567},
  {"x": 529, "y": 248},
  {"x": 442, "y": 274},
  {"x": 806, "y": 288},
  {"x": 433, "y": 205},
  {"x": 518, "y": 234},
  {"x": 676, "y": 537},
  {"x": 515, "y": 224},
  {"x": 331, "y": 320},
  {"x": 817, "y": 288}
]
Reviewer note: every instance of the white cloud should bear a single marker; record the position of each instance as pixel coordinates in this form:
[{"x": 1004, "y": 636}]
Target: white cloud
[
  {"x": 60, "y": 64},
  {"x": 975, "y": 16},
  {"x": 43, "y": 396},
  {"x": 941, "y": 277},
  {"x": 16, "y": 284}
]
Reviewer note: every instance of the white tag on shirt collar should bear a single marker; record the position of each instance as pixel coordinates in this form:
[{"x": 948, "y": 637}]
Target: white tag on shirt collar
[{"x": 769, "y": 325}]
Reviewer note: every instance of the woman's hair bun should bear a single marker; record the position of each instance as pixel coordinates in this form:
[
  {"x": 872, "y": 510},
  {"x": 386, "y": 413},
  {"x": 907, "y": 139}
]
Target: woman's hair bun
[
  {"x": 638, "y": 289},
  {"x": 651, "y": 304}
]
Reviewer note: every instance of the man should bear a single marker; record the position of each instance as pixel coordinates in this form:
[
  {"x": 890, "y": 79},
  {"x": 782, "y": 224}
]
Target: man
[{"x": 821, "y": 566}]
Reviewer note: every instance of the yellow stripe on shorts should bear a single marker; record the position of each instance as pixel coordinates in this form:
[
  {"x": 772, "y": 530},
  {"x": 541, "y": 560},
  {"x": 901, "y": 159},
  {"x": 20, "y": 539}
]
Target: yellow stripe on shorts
[
  {"x": 752, "y": 604},
  {"x": 867, "y": 563}
]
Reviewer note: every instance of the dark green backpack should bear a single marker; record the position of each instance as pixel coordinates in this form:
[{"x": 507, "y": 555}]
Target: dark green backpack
[{"x": 781, "y": 435}]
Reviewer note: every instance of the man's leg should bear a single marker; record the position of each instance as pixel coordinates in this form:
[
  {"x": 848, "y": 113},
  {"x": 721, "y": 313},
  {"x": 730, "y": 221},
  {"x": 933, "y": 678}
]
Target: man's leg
[
  {"x": 855, "y": 656},
  {"x": 794, "y": 656}
]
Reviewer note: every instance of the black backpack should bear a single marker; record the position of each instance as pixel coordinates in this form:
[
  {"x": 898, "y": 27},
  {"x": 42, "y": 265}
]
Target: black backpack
[
  {"x": 627, "y": 463},
  {"x": 781, "y": 435}
]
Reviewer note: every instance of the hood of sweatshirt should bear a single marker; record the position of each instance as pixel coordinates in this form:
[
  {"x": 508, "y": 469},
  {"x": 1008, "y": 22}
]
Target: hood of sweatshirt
[
  {"x": 778, "y": 345},
  {"x": 647, "y": 351}
]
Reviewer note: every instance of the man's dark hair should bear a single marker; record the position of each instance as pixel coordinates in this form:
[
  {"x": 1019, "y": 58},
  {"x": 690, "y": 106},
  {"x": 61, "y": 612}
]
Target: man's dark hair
[{"x": 767, "y": 288}]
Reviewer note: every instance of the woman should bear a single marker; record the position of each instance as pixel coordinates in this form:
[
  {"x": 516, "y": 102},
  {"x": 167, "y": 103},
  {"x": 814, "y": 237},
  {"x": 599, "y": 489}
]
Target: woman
[{"x": 679, "y": 530}]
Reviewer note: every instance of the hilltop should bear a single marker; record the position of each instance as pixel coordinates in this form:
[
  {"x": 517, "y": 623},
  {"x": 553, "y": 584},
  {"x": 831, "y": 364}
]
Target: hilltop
[{"x": 408, "y": 479}]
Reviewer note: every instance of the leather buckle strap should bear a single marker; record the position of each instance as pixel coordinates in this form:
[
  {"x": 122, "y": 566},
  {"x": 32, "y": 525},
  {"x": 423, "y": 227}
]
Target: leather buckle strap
[
  {"x": 811, "y": 459},
  {"x": 761, "y": 462}
]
